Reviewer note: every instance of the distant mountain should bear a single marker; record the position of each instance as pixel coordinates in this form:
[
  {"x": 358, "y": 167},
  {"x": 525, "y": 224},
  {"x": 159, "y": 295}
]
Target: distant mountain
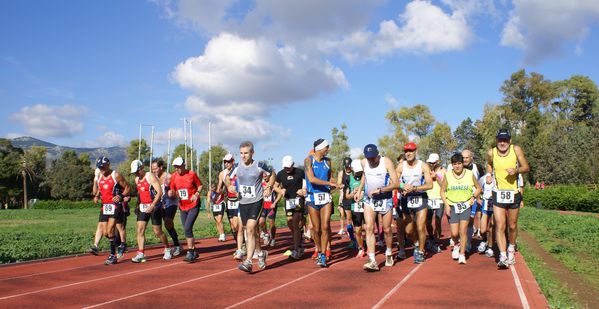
[{"x": 116, "y": 154}]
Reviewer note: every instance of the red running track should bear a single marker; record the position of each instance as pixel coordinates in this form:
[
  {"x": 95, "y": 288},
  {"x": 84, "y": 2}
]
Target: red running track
[{"x": 215, "y": 282}]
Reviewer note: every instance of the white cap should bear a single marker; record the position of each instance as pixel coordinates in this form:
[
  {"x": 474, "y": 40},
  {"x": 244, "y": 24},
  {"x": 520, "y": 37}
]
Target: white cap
[
  {"x": 228, "y": 157},
  {"x": 135, "y": 166},
  {"x": 178, "y": 161},
  {"x": 356, "y": 166},
  {"x": 432, "y": 158},
  {"x": 287, "y": 161}
]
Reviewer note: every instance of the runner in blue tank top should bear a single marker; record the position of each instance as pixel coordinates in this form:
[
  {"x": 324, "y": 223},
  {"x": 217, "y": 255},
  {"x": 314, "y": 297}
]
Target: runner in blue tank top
[{"x": 319, "y": 182}]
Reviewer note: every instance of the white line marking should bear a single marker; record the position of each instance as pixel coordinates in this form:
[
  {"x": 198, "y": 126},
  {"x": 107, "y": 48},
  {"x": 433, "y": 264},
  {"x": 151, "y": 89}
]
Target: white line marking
[
  {"x": 88, "y": 281},
  {"x": 519, "y": 288},
  {"x": 395, "y": 288},
  {"x": 47, "y": 272}
]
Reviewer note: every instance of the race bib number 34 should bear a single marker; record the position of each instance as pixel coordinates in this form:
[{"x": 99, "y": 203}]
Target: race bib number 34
[
  {"x": 414, "y": 201},
  {"x": 322, "y": 198},
  {"x": 108, "y": 209},
  {"x": 248, "y": 191},
  {"x": 505, "y": 197}
]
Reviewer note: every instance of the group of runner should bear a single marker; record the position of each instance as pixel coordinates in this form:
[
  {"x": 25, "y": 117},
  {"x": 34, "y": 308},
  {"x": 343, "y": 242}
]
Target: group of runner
[{"x": 375, "y": 194}]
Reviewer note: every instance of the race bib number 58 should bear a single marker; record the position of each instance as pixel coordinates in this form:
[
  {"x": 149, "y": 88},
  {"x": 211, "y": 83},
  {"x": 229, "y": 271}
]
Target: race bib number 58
[{"x": 505, "y": 197}]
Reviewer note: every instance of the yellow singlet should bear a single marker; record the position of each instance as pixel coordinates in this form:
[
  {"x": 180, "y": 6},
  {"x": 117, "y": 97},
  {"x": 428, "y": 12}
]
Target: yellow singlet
[{"x": 503, "y": 180}]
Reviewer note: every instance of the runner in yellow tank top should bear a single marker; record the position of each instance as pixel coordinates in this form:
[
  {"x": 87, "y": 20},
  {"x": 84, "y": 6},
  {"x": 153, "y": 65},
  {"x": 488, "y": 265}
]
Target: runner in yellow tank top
[{"x": 504, "y": 163}]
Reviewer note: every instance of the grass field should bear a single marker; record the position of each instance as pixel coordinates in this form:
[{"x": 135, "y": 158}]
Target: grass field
[{"x": 571, "y": 239}]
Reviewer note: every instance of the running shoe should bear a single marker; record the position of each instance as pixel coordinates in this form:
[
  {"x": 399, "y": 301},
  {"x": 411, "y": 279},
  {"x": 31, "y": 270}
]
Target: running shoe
[
  {"x": 315, "y": 254},
  {"x": 167, "y": 254},
  {"x": 401, "y": 255},
  {"x": 262, "y": 259},
  {"x": 272, "y": 242},
  {"x": 246, "y": 266},
  {"x": 389, "y": 260},
  {"x": 139, "y": 258},
  {"x": 418, "y": 257},
  {"x": 191, "y": 256},
  {"x": 490, "y": 253},
  {"x": 111, "y": 260},
  {"x": 295, "y": 255},
  {"x": 371, "y": 265},
  {"x": 328, "y": 255},
  {"x": 455, "y": 253},
  {"x": 482, "y": 247},
  {"x": 94, "y": 250},
  {"x": 238, "y": 255},
  {"x": 266, "y": 240},
  {"x": 451, "y": 243},
  {"x": 361, "y": 253},
  {"x": 323, "y": 260},
  {"x": 341, "y": 232},
  {"x": 437, "y": 248},
  {"x": 462, "y": 259},
  {"x": 221, "y": 238},
  {"x": 318, "y": 260},
  {"x": 503, "y": 263},
  {"x": 177, "y": 251},
  {"x": 121, "y": 250},
  {"x": 511, "y": 256}
]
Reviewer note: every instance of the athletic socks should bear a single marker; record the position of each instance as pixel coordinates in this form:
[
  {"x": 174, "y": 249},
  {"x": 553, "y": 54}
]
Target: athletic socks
[
  {"x": 350, "y": 232},
  {"x": 388, "y": 251},
  {"x": 371, "y": 256},
  {"x": 112, "y": 245},
  {"x": 173, "y": 234}
]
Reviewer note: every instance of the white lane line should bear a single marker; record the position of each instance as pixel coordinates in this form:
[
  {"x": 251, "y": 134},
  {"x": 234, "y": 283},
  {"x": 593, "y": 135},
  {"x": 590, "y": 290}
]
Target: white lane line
[
  {"x": 395, "y": 288},
  {"x": 88, "y": 281},
  {"x": 47, "y": 272},
  {"x": 523, "y": 298}
]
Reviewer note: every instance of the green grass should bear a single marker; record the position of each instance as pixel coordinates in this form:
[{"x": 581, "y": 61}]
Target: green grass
[{"x": 572, "y": 239}]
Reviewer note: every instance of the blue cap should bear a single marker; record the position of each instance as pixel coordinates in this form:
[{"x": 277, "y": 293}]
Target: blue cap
[
  {"x": 102, "y": 161},
  {"x": 503, "y": 134},
  {"x": 370, "y": 151}
]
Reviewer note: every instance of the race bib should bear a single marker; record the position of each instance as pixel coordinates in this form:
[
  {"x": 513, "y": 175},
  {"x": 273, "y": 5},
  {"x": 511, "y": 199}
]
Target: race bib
[
  {"x": 143, "y": 207},
  {"x": 108, "y": 209},
  {"x": 434, "y": 204},
  {"x": 217, "y": 207},
  {"x": 322, "y": 198},
  {"x": 379, "y": 205},
  {"x": 414, "y": 201},
  {"x": 183, "y": 194},
  {"x": 460, "y": 207},
  {"x": 248, "y": 191},
  {"x": 504, "y": 197},
  {"x": 232, "y": 205},
  {"x": 291, "y": 204},
  {"x": 359, "y": 207}
]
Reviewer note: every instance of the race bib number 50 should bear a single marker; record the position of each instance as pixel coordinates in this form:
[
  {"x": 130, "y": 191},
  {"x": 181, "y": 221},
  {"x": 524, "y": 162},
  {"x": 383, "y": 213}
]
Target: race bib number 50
[
  {"x": 108, "y": 209},
  {"x": 504, "y": 197}
]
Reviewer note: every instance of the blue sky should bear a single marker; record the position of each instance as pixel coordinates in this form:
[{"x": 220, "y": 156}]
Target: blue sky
[{"x": 279, "y": 73}]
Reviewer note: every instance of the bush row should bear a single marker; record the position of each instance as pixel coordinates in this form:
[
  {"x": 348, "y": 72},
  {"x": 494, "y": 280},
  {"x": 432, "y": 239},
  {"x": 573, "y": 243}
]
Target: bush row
[{"x": 566, "y": 197}]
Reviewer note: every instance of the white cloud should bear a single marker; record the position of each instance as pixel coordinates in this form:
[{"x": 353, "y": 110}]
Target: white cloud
[
  {"x": 13, "y": 135},
  {"x": 50, "y": 121},
  {"x": 356, "y": 152},
  {"x": 107, "y": 139},
  {"x": 543, "y": 27}
]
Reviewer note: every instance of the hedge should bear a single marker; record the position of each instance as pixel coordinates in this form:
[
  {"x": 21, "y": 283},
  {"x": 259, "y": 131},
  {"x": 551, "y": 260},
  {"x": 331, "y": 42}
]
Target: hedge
[{"x": 564, "y": 197}]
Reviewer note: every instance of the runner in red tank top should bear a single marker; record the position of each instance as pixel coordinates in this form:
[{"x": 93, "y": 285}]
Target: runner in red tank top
[
  {"x": 269, "y": 213},
  {"x": 216, "y": 209}
]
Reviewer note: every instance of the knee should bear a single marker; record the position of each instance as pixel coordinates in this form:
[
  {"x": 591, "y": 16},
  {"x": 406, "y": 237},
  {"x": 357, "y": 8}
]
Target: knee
[
  {"x": 387, "y": 230},
  {"x": 316, "y": 230}
]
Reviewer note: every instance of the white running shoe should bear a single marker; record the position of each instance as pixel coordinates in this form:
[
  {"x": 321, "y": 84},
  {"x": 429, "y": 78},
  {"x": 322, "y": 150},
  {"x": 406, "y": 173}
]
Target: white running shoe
[
  {"x": 482, "y": 247},
  {"x": 221, "y": 238},
  {"x": 167, "y": 254},
  {"x": 455, "y": 253},
  {"x": 238, "y": 255},
  {"x": 451, "y": 243},
  {"x": 490, "y": 253},
  {"x": 462, "y": 259},
  {"x": 139, "y": 258},
  {"x": 511, "y": 256},
  {"x": 371, "y": 265},
  {"x": 389, "y": 260},
  {"x": 272, "y": 242},
  {"x": 262, "y": 259},
  {"x": 177, "y": 251},
  {"x": 341, "y": 232}
]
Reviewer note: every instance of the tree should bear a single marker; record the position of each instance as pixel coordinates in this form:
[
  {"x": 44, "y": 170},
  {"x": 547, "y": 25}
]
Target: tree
[
  {"x": 466, "y": 136},
  {"x": 406, "y": 123},
  {"x": 133, "y": 150},
  {"x": 440, "y": 141},
  {"x": 179, "y": 151},
  {"x": 10, "y": 159},
  {"x": 339, "y": 148},
  {"x": 218, "y": 152},
  {"x": 70, "y": 177},
  {"x": 578, "y": 99}
]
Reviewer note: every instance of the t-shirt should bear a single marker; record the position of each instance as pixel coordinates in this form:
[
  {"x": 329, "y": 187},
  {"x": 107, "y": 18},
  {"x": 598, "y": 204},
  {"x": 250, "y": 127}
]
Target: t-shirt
[
  {"x": 186, "y": 185},
  {"x": 291, "y": 182},
  {"x": 249, "y": 181}
]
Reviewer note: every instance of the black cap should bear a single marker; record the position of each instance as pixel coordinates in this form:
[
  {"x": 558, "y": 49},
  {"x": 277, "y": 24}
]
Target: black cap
[
  {"x": 504, "y": 134},
  {"x": 347, "y": 162},
  {"x": 102, "y": 161}
]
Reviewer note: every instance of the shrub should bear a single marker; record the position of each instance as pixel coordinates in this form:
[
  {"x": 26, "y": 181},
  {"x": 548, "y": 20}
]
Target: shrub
[{"x": 566, "y": 197}]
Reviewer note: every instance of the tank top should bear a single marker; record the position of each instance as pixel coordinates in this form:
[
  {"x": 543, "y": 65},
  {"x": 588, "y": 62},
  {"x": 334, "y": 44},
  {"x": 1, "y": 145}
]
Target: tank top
[
  {"x": 109, "y": 188},
  {"x": 168, "y": 201},
  {"x": 435, "y": 192},
  {"x": 268, "y": 199},
  {"x": 145, "y": 191},
  {"x": 459, "y": 190},
  {"x": 504, "y": 181},
  {"x": 321, "y": 171},
  {"x": 412, "y": 176},
  {"x": 249, "y": 181},
  {"x": 377, "y": 177},
  {"x": 231, "y": 195}
]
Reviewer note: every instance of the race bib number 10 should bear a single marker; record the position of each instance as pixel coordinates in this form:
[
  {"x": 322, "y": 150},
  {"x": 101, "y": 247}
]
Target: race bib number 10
[
  {"x": 183, "y": 194},
  {"x": 505, "y": 197},
  {"x": 414, "y": 201},
  {"x": 108, "y": 209},
  {"x": 248, "y": 191},
  {"x": 322, "y": 198},
  {"x": 460, "y": 207}
]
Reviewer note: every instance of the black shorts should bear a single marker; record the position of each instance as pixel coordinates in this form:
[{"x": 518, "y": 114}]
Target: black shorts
[
  {"x": 407, "y": 211},
  {"x": 232, "y": 212},
  {"x": 156, "y": 216},
  {"x": 250, "y": 211},
  {"x": 346, "y": 204},
  {"x": 119, "y": 215},
  {"x": 270, "y": 213},
  {"x": 221, "y": 212},
  {"x": 515, "y": 205},
  {"x": 170, "y": 212},
  {"x": 357, "y": 218}
]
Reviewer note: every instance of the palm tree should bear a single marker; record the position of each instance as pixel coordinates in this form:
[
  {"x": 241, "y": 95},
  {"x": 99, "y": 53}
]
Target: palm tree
[{"x": 25, "y": 170}]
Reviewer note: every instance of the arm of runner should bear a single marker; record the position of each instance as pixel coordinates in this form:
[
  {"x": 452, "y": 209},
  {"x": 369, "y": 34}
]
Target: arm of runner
[
  {"x": 428, "y": 181},
  {"x": 310, "y": 174},
  {"x": 478, "y": 190},
  {"x": 121, "y": 181},
  {"x": 219, "y": 184},
  {"x": 393, "y": 179},
  {"x": 523, "y": 166},
  {"x": 489, "y": 178},
  {"x": 198, "y": 183},
  {"x": 444, "y": 197},
  {"x": 209, "y": 205},
  {"x": 157, "y": 187},
  {"x": 399, "y": 170}
]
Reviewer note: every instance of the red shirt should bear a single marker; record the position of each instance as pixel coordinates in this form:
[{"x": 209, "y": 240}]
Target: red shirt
[
  {"x": 143, "y": 190},
  {"x": 268, "y": 199},
  {"x": 107, "y": 187},
  {"x": 186, "y": 186}
]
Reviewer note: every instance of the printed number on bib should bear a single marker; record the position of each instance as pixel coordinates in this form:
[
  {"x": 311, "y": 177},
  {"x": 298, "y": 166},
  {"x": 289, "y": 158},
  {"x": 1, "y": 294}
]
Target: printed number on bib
[
  {"x": 414, "y": 201},
  {"x": 292, "y": 203},
  {"x": 322, "y": 198},
  {"x": 143, "y": 207},
  {"x": 232, "y": 205},
  {"x": 505, "y": 197},
  {"x": 379, "y": 205},
  {"x": 248, "y": 191},
  {"x": 217, "y": 207},
  {"x": 434, "y": 204},
  {"x": 108, "y": 209},
  {"x": 359, "y": 207},
  {"x": 183, "y": 194},
  {"x": 460, "y": 207}
]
